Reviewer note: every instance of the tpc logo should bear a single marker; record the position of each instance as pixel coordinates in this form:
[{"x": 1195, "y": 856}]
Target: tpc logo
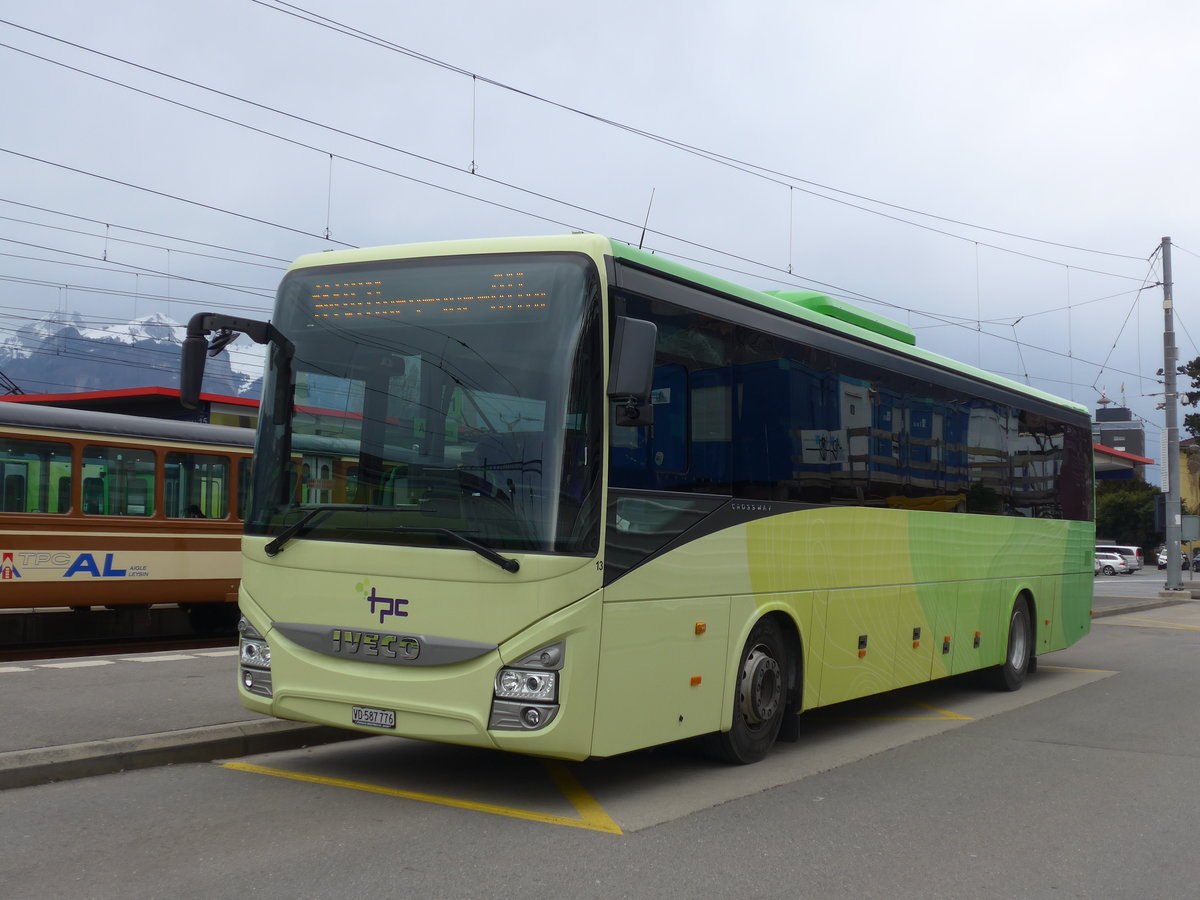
[
  {"x": 8, "y": 568},
  {"x": 387, "y": 606}
]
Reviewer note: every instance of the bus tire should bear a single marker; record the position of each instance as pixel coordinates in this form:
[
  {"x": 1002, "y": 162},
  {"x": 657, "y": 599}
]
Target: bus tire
[
  {"x": 1017, "y": 657},
  {"x": 759, "y": 698}
]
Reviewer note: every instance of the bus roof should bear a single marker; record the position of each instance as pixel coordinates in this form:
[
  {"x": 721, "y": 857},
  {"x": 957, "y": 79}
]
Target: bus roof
[{"x": 811, "y": 307}]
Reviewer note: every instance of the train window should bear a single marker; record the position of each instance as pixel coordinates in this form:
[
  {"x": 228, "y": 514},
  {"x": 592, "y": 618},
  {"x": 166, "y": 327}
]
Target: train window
[
  {"x": 35, "y": 476},
  {"x": 196, "y": 486},
  {"x": 118, "y": 481}
]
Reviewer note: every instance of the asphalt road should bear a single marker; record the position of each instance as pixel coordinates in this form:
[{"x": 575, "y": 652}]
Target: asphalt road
[{"x": 1082, "y": 784}]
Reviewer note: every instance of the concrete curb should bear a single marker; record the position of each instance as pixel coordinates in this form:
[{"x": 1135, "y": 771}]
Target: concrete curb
[
  {"x": 1135, "y": 605},
  {"x": 41, "y": 765}
]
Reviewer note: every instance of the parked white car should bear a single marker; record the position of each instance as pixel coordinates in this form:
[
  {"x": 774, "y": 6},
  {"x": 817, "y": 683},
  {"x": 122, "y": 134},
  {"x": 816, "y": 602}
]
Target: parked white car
[
  {"x": 1184, "y": 563},
  {"x": 1112, "y": 564}
]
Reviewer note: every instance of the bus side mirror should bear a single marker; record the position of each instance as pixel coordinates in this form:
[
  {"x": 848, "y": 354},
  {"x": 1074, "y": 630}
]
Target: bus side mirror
[
  {"x": 196, "y": 345},
  {"x": 631, "y": 372},
  {"x": 191, "y": 370}
]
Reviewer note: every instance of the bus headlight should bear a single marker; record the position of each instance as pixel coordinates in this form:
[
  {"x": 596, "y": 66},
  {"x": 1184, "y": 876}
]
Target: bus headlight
[
  {"x": 526, "y": 693},
  {"x": 256, "y": 654},
  {"x": 522, "y": 684},
  {"x": 254, "y": 657}
]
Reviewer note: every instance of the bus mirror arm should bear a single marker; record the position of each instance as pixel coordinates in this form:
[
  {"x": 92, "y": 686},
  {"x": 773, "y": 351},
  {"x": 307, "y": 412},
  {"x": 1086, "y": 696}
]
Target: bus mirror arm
[
  {"x": 197, "y": 345},
  {"x": 634, "y": 412},
  {"x": 631, "y": 373}
]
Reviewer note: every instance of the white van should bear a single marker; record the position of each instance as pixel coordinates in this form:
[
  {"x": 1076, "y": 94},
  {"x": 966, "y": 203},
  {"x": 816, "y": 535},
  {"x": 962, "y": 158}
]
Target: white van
[{"x": 1131, "y": 555}]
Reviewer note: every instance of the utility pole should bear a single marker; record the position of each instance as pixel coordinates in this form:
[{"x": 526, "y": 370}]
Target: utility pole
[{"x": 1174, "y": 520}]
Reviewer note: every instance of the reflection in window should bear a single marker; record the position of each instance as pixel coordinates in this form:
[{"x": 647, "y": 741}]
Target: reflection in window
[
  {"x": 35, "y": 476},
  {"x": 118, "y": 481},
  {"x": 196, "y": 486},
  {"x": 757, "y": 416}
]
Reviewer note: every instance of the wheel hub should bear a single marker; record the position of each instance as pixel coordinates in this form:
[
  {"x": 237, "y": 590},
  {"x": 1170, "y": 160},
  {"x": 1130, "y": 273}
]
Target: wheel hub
[
  {"x": 1018, "y": 642},
  {"x": 761, "y": 687}
]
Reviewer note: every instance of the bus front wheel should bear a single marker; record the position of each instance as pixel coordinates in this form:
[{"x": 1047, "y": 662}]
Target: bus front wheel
[
  {"x": 1017, "y": 660},
  {"x": 759, "y": 698}
]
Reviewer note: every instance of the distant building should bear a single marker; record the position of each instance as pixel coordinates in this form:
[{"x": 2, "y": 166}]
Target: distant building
[
  {"x": 1117, "y": 465},
  {"x": 153, "y": 402},
  {"x": 1115, "y": 430}
]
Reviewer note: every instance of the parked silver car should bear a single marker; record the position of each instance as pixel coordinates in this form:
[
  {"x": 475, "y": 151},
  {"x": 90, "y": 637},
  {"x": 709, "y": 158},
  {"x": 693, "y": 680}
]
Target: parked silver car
[{"x": 1112, "y": 564}]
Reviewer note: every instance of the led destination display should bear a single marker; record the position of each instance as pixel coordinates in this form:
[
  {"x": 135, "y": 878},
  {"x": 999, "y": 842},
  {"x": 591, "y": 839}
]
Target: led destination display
[{"x": 462, "y": 292}]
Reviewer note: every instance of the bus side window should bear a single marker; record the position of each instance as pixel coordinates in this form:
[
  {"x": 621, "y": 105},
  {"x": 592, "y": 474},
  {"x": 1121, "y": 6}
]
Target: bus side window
[{"x": 64, "y": 493}]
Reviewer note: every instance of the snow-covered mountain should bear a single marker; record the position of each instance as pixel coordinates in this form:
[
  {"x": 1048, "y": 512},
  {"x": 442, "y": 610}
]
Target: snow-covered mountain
[{"x": 66, "y": 351}]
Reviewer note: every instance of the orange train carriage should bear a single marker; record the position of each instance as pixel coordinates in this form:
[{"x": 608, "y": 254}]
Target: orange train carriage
[{"x": 99, "y": 509}]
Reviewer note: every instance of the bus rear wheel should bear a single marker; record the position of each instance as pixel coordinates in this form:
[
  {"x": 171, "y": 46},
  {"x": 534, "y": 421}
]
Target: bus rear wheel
[
  {"x": 759, "y": 698},
  {"x": 1017, "y": 659}
]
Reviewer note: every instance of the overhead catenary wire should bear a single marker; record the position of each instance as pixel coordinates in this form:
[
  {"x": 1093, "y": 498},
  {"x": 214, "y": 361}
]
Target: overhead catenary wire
[
  {"x": 1121, "y": 331},
  {"x": 157, "y": 234},
  {"x": 757, "y": 263},
  {"x": 120, "y": 292},
  {"x": 447, "y": 165},
  {"x": 113, "y": 239},
  {"x": 165, "y": 195},
  {"x": 296, "y": 11},
  {"x": 143, "y": 270},
  {"x": 552, "y": 199}
]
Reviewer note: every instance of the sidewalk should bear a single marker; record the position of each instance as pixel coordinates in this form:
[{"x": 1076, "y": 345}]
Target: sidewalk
[
  {"x": 82, "y": 717},
  {"x": 74, "y": 718}
]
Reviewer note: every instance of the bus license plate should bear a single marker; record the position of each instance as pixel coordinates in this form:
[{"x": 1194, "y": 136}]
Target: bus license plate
[{"x": 376, "y": 718}]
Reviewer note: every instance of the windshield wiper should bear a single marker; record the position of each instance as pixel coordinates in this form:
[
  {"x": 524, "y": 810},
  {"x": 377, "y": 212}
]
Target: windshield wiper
[
  {"x": 508, "y": 565},
  {"x": 309, "y": 520}
]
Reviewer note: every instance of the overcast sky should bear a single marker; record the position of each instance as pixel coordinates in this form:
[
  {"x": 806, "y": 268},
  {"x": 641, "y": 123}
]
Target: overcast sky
[{"x": 1073, "y": 123}]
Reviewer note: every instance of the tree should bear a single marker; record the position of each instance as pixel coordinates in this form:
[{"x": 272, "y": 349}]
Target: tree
[
  {"x": 1191, "y": 421},
  {"x": 1125, "y": 513}
]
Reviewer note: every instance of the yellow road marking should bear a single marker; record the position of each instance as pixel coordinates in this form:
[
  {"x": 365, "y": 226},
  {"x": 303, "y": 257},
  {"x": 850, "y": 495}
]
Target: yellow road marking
[
  {"x": 943, "y": 715},
  {"x": 1042, "y": 667},
  {"x": 585, "y": 804},
  {"x": 591, "y": 815}
]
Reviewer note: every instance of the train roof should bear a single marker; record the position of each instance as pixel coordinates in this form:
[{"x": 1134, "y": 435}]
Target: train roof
[{"x": 83, "y": 421}]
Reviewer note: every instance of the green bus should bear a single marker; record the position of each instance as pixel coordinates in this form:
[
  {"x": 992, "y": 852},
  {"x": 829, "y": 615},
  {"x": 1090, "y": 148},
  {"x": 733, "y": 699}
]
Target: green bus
[{"x": 564, "y": 497}]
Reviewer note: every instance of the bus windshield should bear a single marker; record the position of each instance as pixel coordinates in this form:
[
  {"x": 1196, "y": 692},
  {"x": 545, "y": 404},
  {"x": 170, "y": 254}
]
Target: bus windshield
[{"x": 456, "y": 396}]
